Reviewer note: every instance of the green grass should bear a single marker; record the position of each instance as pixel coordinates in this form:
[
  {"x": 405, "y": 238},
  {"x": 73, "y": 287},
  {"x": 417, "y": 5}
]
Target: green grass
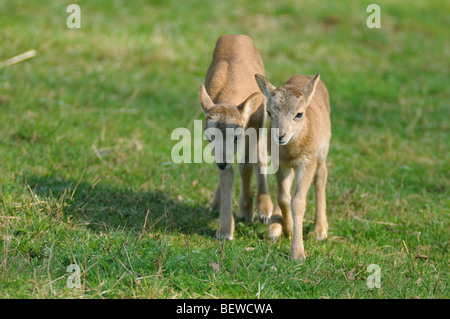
[{"x": 86, "y": 174}]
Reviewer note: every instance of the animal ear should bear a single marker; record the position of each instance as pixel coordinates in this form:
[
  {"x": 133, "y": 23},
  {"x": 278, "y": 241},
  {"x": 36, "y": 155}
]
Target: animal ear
[
  {"x": 264, "y": 85},
  {"x": 310, "y": 88},
  {"x": 205, "y": 100},
  {"x": 251, "y": 104}
]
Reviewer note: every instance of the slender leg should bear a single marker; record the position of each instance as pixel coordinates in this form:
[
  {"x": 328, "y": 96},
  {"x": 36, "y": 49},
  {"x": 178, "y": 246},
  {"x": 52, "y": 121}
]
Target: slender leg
[
  {"x": 281, "y": 219},
  {"x": 246, "y": 198},
  {"x": 215, "y": 202},
  {"x": 226, "y": 220},
  {"x": 264, "y": 204},
  {"x": 320, "y": 220},
  {"x": 303, "y": 178},
  {"x": 263, "y": 201}
]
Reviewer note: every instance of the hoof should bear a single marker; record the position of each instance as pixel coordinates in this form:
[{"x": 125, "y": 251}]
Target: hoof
[
  {"x": 264, "y": 208},
  {"x": 224, "y": 235},
  {"x": 321, "y": 232}
]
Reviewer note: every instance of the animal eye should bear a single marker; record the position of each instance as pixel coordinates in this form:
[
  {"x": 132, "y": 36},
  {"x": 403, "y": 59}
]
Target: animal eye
[
  {"x": 270, "y": 115},
  {"x": 299, "y": 115}
]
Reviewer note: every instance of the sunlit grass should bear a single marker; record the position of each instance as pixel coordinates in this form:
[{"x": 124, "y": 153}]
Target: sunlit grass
[{"x": 86, "y": 175}]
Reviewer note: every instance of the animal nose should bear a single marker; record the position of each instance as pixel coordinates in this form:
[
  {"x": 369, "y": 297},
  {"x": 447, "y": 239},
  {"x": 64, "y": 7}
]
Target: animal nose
[
  {"x": 280, "y": 137},
  {"x": 221, "y": 166}
]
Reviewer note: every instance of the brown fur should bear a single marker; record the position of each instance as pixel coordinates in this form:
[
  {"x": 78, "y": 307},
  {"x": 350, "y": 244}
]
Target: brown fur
[
  {"x": 231, "y": 99},
  {"x": 302, "y": 154}
]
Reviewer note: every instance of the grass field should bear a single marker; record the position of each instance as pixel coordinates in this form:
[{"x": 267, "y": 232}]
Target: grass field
[{"x": 86, "y": 175}]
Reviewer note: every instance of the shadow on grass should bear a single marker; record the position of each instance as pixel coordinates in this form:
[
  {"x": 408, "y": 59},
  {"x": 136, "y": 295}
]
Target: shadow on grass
[{"x": 101, "y": 206}]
